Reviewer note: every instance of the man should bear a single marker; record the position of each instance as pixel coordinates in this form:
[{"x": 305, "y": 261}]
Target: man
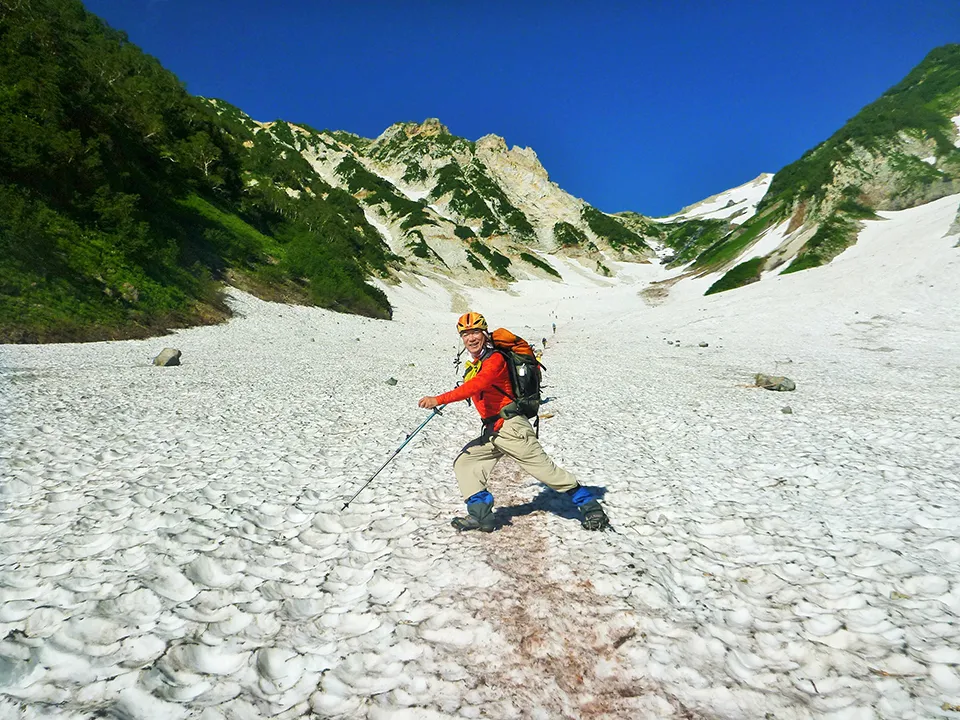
[{"x": 505, "y": 432}]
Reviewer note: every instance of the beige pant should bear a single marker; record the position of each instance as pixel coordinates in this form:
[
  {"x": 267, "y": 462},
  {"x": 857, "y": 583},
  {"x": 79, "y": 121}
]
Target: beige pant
[{"x": 518, "y": 440}]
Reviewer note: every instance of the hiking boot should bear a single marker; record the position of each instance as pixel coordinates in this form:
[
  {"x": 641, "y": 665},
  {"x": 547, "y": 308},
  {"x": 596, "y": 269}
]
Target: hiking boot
[
  {"x": 593, "y": 517},
  {"x": 479, "y": 517}
]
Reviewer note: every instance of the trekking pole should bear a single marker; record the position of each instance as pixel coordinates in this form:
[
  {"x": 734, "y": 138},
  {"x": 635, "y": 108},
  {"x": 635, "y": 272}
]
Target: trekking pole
[{"x": 436, "y": 411}]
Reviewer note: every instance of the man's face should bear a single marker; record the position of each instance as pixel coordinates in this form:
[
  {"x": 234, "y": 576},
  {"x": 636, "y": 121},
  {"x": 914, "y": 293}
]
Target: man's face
[{"x": 473, "y": 340}]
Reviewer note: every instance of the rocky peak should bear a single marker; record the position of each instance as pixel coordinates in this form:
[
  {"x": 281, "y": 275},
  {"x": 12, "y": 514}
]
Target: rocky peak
[
  {"x": 431, "y": 127},
  {"x": 492, "y": 144},
  {"x": 492, "y": 150},
  {"x": 428, "y": 128}
]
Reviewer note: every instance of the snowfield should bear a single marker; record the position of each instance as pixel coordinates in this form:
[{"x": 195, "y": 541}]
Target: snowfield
[{"x": 172, "y": 543}]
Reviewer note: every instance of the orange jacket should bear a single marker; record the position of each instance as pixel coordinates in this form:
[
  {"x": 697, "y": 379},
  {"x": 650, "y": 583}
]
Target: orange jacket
[{"x": 490, "y": 389}]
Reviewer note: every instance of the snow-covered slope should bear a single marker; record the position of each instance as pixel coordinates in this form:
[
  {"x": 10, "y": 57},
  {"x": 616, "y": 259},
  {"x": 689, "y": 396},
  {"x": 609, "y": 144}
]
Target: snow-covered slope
[
  {"x": 172, "y": 542},
  {"x": 736, "y": 205}
]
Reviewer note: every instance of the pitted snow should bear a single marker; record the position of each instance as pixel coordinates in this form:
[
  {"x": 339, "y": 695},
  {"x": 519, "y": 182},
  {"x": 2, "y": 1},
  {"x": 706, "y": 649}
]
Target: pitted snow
[{"x": 173, "y": 541}]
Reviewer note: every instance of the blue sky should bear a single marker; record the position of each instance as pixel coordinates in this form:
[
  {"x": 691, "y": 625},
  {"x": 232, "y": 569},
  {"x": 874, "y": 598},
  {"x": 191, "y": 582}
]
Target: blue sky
[{"x": 644, "y": 106}]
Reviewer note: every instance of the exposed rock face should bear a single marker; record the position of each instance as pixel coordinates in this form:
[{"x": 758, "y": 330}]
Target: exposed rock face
[{"x": 526, "y": 183}]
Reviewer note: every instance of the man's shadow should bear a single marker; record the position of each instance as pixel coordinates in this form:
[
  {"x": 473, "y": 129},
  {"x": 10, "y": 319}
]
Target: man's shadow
[{"x": 547, "y": 501}]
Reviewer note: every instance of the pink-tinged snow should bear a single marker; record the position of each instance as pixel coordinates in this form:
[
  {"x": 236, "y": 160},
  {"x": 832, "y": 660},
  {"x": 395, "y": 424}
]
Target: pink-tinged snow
[
  {"x": 172, "y": 543},
  {"x": 956, "y": 124},
  {"x": 738, "y": 204}
]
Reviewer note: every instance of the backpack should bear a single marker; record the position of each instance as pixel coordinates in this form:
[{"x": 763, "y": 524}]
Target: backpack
[{"x": 525, "y": 374}]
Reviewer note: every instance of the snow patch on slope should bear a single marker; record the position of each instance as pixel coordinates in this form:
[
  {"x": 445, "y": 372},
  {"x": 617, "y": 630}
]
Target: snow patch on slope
[{"x": 736, "y": 205}]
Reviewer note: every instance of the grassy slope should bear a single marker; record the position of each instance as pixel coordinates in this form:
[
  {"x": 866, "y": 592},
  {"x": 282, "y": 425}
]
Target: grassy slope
[
  {"x": 124, "y": 201},
  {"x": 920, "y": 107}
]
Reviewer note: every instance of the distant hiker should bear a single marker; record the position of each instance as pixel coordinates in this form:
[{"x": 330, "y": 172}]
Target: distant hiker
[
  {"x": 544, "y": 341},
  {"x": 506, "y": 431},
  {"x": 554, "y": 328}
]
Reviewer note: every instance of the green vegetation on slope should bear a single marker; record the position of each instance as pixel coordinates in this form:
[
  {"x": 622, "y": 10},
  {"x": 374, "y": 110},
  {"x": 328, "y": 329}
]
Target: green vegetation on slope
[
  {"x": 731, "y": 245},
  {"x": 537, "y": 262},
  {"x": 418, "y": 246},
  {"x": 511, "y": 215},
  {"x": 612, "y": 230},
  {"x": 743, "y": 274},
  {"x": 359, "y": 180},
  {"x": 409, "y": 141},
  {"x": 920, "y": 104},
  {"x": 123, "y": 200},
  {"x": 689, "y": 238},
  {"x": 499, "y": 262},
  {"x": 464, "y": 200},
  {"x": 567, "y": 235}
]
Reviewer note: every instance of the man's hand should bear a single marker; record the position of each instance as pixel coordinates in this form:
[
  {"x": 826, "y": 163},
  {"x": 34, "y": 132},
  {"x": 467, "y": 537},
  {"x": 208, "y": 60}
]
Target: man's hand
[{"x": 428, "y": 402}]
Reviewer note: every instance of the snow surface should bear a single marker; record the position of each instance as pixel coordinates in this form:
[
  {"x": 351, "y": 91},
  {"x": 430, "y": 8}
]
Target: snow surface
[
  {"x": 738, "y": 204},
  {"x": 172, "y": 543},
  {"x": 770, "y": 240}
]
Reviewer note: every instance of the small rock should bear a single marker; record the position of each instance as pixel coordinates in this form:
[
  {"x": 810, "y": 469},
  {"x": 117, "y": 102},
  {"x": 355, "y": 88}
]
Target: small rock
[
  {"x": 786, "y": 410},
  {"x": 703, "y": 344},
  {"x": 391, "y": 381},
  {"x": 774, "y": 382},
  {"x": 167, "y": 357}
]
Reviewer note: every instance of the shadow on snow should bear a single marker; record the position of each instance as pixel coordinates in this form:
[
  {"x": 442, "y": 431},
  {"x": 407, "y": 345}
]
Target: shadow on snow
[{"x": 547, "y": 501}]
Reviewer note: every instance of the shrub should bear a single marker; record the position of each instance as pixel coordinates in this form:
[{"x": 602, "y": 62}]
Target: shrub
[
  {"x": 463, "y": 232},
  {"x": 537, "y": 262},
  {"x": 612, "y": 230},
  {"x": 834, "y": 235},
  {"x": 475, "y": 262},
  {"x": 743, "y": 274},
  {"x": 496, "y": 260},
  {"x": 567, "y": 235}
]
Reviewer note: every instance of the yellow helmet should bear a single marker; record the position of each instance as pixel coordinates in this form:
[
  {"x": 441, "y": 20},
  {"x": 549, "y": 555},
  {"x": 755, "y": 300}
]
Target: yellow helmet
[{"x": 471, "y": 321}]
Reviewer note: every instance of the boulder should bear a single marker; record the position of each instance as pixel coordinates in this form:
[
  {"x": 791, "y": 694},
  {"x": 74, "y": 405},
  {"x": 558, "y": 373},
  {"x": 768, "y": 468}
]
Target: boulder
[
  {"x": 391, "y": 381},
  {"x": 774, "y": 382},
  {"x": 167, "y": 357}
]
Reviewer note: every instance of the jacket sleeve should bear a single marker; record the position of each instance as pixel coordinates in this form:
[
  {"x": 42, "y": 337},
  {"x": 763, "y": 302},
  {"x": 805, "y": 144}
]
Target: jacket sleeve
[{"x": 491, "y": 374}]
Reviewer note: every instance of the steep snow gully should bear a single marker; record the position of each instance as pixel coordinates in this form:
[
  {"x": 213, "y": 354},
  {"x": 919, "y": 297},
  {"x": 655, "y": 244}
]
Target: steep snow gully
[{"x": 173, "y": 546}]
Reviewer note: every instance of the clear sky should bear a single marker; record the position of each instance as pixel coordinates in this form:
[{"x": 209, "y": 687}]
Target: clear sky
[{"x": 646, "y": 105}]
